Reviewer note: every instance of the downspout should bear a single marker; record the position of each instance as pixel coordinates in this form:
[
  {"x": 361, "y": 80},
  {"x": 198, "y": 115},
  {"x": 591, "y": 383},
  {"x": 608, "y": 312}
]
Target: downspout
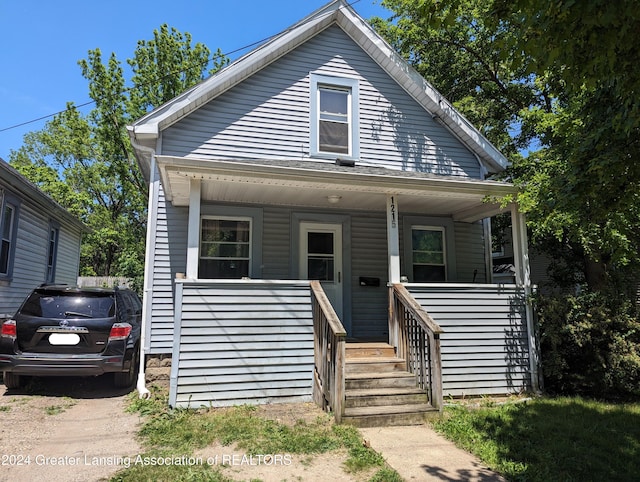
[{"x": 143, "y": 392}]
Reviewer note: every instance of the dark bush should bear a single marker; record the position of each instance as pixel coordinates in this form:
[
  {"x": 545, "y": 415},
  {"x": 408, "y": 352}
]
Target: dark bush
[{"x": 590, "y": 344}]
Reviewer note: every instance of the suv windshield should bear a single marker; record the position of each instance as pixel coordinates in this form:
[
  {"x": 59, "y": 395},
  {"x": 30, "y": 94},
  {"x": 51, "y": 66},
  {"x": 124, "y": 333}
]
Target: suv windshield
[{"x": 45, "y": 304}]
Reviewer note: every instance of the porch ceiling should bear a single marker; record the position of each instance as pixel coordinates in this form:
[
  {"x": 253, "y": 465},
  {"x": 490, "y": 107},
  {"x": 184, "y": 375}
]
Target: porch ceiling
[{"x": 311, "y": 184}]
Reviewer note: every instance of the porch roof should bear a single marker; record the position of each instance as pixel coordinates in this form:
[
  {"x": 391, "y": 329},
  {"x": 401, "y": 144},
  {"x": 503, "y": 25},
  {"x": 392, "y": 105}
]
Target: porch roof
[{"x": 327, "y": 185}]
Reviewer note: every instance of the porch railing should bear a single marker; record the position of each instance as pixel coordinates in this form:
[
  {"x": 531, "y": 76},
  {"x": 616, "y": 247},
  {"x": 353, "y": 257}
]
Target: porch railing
[
  {"x": 329, "y": 348},
  {"x": 416, "y": 337}
]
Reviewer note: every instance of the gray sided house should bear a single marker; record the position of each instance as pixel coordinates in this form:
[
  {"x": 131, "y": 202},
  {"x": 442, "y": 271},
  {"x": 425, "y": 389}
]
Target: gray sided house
[
  {"x": 40, "y": 240},
  {"x": 322, "y": 155}
]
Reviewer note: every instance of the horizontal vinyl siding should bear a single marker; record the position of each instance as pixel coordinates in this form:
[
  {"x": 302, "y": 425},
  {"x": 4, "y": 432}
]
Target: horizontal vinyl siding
[
  {"x": 471, "y": 266},
  {"x": 169, "y": 258},
  {"x": 267, "y": 115},
  {"x": 485, "y": 342},
  {"x": 369, "y": 259},
  {"x": 68, "y": 256},
  {"x": 30, "y": 261},
  {"x": 241, "y": 343},
  {"x": 276, "y": 243}
]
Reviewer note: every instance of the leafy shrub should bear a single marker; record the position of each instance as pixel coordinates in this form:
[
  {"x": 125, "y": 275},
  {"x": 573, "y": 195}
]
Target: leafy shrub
[{"x": 590, "y": 344}]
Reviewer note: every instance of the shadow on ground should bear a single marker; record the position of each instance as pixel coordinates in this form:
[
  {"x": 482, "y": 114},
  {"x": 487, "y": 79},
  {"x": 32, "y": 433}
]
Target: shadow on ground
[{"x": 73, "y": 387}]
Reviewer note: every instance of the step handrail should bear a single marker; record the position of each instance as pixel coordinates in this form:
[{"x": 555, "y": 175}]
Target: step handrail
[
  {"x": 329, "y": 354},
  {"x": 416, "y": 337}
]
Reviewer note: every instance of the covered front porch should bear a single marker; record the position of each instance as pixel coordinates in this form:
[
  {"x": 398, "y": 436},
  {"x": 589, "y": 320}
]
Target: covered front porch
[
  {"x": 257, "y": 339},
  {"x": 372, "y": 213}
]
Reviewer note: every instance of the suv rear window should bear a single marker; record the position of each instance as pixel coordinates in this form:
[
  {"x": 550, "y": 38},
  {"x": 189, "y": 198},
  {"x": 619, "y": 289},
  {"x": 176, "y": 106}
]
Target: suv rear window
[{"x": 45, "y": 304}]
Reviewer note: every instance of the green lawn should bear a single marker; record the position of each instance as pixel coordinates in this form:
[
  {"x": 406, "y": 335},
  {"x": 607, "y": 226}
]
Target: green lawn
[{"x": 550, "y": 439}]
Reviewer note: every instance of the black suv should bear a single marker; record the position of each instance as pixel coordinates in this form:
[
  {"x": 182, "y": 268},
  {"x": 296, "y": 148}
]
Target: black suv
[{"x": 60, "y": 330}]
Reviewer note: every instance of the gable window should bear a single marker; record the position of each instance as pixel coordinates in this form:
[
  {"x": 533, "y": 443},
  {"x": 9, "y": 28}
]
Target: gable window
[
  {"x": 428, "y": 254},
  {"x": 52, "y": 254},
  {"x": 334, "y": 117},
  {"x": 225, "y": 248},
  {"x": 333, "y": 121},
  {"x": 7, "y": 239}
]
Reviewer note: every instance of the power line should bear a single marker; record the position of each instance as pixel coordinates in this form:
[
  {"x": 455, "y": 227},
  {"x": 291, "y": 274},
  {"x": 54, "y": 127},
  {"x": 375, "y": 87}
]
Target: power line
[
  {"x": 44, "y": 117},
  {"x": 212, "y": 59}
]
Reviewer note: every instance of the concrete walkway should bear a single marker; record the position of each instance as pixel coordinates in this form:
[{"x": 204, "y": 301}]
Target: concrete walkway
[{"x": 418, "y": 453}]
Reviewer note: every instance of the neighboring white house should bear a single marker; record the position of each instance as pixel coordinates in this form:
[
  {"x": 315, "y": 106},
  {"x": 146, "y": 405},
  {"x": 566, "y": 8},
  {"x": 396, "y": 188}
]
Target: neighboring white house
[
  {"x": 40, "y": 240},
  {"x": 321, "y": 155}
]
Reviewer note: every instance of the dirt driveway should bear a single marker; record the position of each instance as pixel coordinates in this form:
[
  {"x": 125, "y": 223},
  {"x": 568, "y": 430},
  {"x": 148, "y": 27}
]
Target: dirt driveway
[
  {"x": 63, "y": 429},
  {"x": 76, "y": 429}
]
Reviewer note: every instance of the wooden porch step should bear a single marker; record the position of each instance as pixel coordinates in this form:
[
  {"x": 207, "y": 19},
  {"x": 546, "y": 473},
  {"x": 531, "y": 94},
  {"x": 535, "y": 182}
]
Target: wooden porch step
[
  {"x": 374, "y": 365},
  {"x": 369, "y": 350},
  {"x": 384, "y": 415},
  {"x": 379, "y": 390},
  {"x": 384, "y": 396},
  {"x": 370, "y": 380}
]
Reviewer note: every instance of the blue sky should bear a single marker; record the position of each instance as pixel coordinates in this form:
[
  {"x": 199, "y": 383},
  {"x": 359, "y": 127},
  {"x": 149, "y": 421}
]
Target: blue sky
[{"x": 41, "y": 42}]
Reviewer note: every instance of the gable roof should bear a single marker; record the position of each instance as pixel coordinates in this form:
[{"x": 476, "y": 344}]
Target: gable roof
[
  {"x": 34, "y": 194},
  {"x": 144, "y": 131}
]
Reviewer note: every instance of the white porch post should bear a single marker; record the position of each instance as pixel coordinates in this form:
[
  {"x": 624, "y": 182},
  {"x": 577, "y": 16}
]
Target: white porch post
[
  {"x": 520, "y": 248},
  {"x": 393, "y": 239},
  {"x": 393, "y": 248},
  {"x": 523, "y": 278},
  {"x": 193, "y": 233}
]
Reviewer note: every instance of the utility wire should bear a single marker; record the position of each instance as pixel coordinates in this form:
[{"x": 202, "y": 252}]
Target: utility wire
[{"x": 215, "y": 57}]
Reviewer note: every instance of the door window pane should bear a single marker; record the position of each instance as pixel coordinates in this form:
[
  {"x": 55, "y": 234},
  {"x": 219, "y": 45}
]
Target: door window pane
[
  {"x": 428, "y": 254},
  {"x": 320, "y": 243},
  {"x": 320, "y": 256},
  {"x": 320, "y": 269}
]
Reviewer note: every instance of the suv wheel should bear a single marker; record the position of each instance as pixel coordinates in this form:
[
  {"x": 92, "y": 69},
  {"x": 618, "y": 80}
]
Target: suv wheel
[
  {"x": 126, "y": 379},
  {"x": 11, "y": 380}
]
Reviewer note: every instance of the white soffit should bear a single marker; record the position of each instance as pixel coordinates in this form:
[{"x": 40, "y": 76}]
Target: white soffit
[{"x": 235, "y": 181}]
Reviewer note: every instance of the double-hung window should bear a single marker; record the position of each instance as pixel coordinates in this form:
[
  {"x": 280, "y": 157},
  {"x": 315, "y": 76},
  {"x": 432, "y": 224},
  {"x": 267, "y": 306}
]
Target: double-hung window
[
  {"x": 333, "y": 120},
  {"x": 225, "y": 248},
  {"x": 334, "y": 117},
  {"x": 7, "y": 238},
  {"x": 428, "y": 254}
]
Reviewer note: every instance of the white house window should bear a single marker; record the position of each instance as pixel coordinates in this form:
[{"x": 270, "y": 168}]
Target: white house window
[
  {"x": 428, "y": 254},
  {"x": 7, "y": 226},
  {"x": 225, "y": 248},
  {"x": 334, "y": 117},
  {"x": 333, "y": 122},
  {"x": 52, "y": 254}
]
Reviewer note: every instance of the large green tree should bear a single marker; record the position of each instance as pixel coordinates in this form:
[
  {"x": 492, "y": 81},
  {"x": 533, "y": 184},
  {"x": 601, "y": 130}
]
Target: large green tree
[
  {"x": 592, "y": 162},
  {"x": 85, "y": 162},
  {"x": 563, "y": 76},
  {"x": 560, "y": 78}
]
